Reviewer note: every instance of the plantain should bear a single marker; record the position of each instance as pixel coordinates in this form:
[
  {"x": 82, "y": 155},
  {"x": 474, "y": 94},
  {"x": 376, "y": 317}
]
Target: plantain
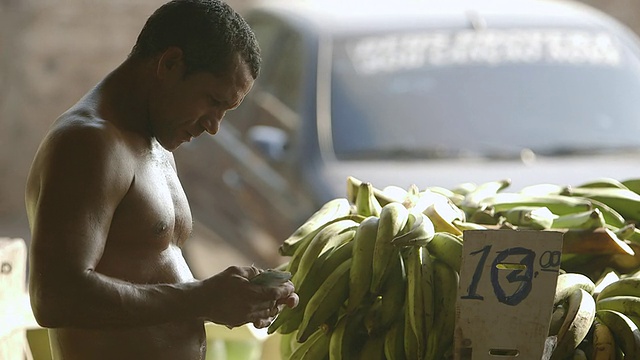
[
  {"x": 531, "y": 217},
  {"x": 624, "y": 201},
  {"x": 604, "y": 343},
  {"x": 473, "y": 199},
  {"x": 625, "y": 286},
  {"x": 447, "y": 248},
  {"x": 419, "y": 232},
  {"x": 331, "y": 210},
  {"x": 317, "y": 246},
  {"x": 412, "y": 257},
  {"x": 584, "y": 220},
  {"x": 365, "y": 202},
  {"x": 393, "y": 218},
  {"x": 443, "y": 214},
  {"x": 625, "y": 332},
  {"x": 348, "y": 337},
  {"x": 362, "y": 262},
  {"x": 394, "y": 340},
  {"x": 326, "y": 301},
  {"x": 567, "y": 283},
  {"x": 581, "y": 311},
  {"x": 315, "y": 347},
  {"x": 445, "y": 290},
  {"x": 603, "y": 182},
  {"x": 626, "y": 304},
  {"x": 557, "y": 204},
  {"x": 393, "y": 296}
]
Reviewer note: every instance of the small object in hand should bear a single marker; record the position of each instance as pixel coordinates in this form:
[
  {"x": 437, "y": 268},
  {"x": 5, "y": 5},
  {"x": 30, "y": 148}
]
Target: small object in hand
[{"x": 271, "y": 278}]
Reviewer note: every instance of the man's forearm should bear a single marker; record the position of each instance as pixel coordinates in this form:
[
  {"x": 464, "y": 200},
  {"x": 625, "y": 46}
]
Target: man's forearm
[{"x": 94, "y": 300}]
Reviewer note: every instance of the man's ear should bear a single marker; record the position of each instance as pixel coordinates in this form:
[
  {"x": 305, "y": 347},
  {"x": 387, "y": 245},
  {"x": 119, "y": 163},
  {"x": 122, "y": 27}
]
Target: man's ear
[{"x": 170, "y": 61}]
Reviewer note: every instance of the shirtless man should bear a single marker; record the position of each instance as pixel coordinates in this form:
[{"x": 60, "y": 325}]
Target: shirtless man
[{"x": 107, "y": 212}]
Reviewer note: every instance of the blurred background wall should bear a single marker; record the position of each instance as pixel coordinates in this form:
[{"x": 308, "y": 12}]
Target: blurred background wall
[{"x": 53, "y": 51}]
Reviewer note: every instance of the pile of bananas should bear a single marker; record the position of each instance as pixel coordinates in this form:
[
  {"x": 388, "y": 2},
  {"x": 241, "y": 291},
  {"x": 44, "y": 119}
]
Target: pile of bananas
[
  {"x": 596, "y": 320},
  {"x": 377, "y": 271}
]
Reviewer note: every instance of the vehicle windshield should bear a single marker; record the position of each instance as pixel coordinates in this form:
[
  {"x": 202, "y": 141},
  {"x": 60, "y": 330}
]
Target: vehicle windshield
[{"x": 488, "y": 93}]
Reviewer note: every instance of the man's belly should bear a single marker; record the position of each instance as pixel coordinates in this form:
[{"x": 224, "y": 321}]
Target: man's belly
[{"x": 174, "y": 341}]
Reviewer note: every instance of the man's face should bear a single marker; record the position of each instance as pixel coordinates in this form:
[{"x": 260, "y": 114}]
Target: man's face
[{"x": 182, "y": 108}]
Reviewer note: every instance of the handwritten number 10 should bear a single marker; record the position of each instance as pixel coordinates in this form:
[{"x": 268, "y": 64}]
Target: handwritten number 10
[{"x": 523, "y": 275}]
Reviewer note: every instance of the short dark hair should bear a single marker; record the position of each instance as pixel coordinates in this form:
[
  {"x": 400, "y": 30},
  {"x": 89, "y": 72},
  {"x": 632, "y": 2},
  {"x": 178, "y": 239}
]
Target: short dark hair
[{"x": 209, "y": 32}]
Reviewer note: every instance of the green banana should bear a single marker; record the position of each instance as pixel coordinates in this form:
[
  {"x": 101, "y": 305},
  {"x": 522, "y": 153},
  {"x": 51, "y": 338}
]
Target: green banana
[
  {"x": 394, "y": 340},
  {"x": 428, "y": 298},
  {"x": 626, "y": 304},
  {"x": 604, "y": 182},
  {"x": 532, "y": 217},
  {"x": 353, "y": 185},
  {"x": 412, "y": 257},
  {"x": 632, "y": 184},
  {"x": 366, "y": 202},
  {"x": 624, "y": 201},
  {"x": 611, "y": 216},
  {"x": 485, "y": 216},
  {"x": 332, "y": 209},
  {"x": 289, "y": 319},
  {"x": 467, "y": 225},
  {"x": 447, "y": 248},
  {"x": 393, "y": 296},
  {"x": 301, "y": 248},
  {"x": 317, "y": 246},
  {"x": 464, "y": 188},
  {"x": 393, "y": 218},
  {"x": 443, "y": 214},
  {"x": 474, "y": 198},
  {"x": 445, "y": 290},
  {"x": 346, "y": 337},
  {"x": 373, "y": 348},
  {"x": 557, "y": 204},
  {"x": 362, "y": 262},
  {"x": 585, "y": 220},
  {"x": 326, "y": 301},
  {"x": 604, "y": 344},
  {"x": 579, "y": 354},
  {"x": 581, "y": 311},
  {"x": 568, "y": 283},
  {"x": 557, "y": 318},
  {"x": 625, "y": 331},
  {"x": 315, "y": 347},
  {"x": 543, "y": 189},
  {"x": 410, "y": 344},
  {"x": 420, "y": 232},
  {"x": 625, "y": 232},
  {"x": 285, "y": 345},
  {"x": 455, "y": 198},
  {"x": 625, "y": 286}
]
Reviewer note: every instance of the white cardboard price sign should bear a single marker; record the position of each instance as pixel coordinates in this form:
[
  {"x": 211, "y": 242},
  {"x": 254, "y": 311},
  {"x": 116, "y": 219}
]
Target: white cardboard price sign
[{"x": 505, "y": 297}]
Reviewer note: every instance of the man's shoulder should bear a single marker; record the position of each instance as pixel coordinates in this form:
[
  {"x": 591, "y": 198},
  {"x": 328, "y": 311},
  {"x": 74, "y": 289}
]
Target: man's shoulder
[
  {"x": 82, "y": 122},
  {"x": 82, "y": 128}
]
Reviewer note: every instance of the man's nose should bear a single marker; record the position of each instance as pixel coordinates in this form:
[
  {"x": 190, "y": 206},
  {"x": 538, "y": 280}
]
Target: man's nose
[{"x": 211, "y": 121}]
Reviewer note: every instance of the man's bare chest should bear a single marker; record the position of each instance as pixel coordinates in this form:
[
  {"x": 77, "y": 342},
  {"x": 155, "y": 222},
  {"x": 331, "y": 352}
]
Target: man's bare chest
[{"x": 155, "y": 209}]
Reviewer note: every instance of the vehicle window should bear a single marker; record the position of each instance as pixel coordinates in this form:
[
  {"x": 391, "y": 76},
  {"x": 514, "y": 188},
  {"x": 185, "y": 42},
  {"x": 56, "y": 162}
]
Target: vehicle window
[{"x": 491, "y": 93}]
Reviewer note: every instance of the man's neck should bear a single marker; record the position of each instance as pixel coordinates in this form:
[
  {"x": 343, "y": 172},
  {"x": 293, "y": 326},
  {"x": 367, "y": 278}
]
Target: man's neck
[{"x": 124, "y": 95}]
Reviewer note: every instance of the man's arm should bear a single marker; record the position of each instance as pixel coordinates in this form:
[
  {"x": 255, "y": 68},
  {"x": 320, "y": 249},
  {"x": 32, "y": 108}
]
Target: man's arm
[{"x": 77, "y": 181}]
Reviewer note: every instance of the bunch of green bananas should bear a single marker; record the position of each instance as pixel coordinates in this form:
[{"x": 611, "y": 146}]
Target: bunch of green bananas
[
  {"x": 377, "y": 271},
  {"x": 599, "y": 320},
  {"x": 376, "y": 276}
]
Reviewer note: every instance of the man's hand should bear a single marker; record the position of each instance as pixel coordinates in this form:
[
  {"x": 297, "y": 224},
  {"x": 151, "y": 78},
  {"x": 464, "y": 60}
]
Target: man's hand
[{"x": 235, "y": 300}]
